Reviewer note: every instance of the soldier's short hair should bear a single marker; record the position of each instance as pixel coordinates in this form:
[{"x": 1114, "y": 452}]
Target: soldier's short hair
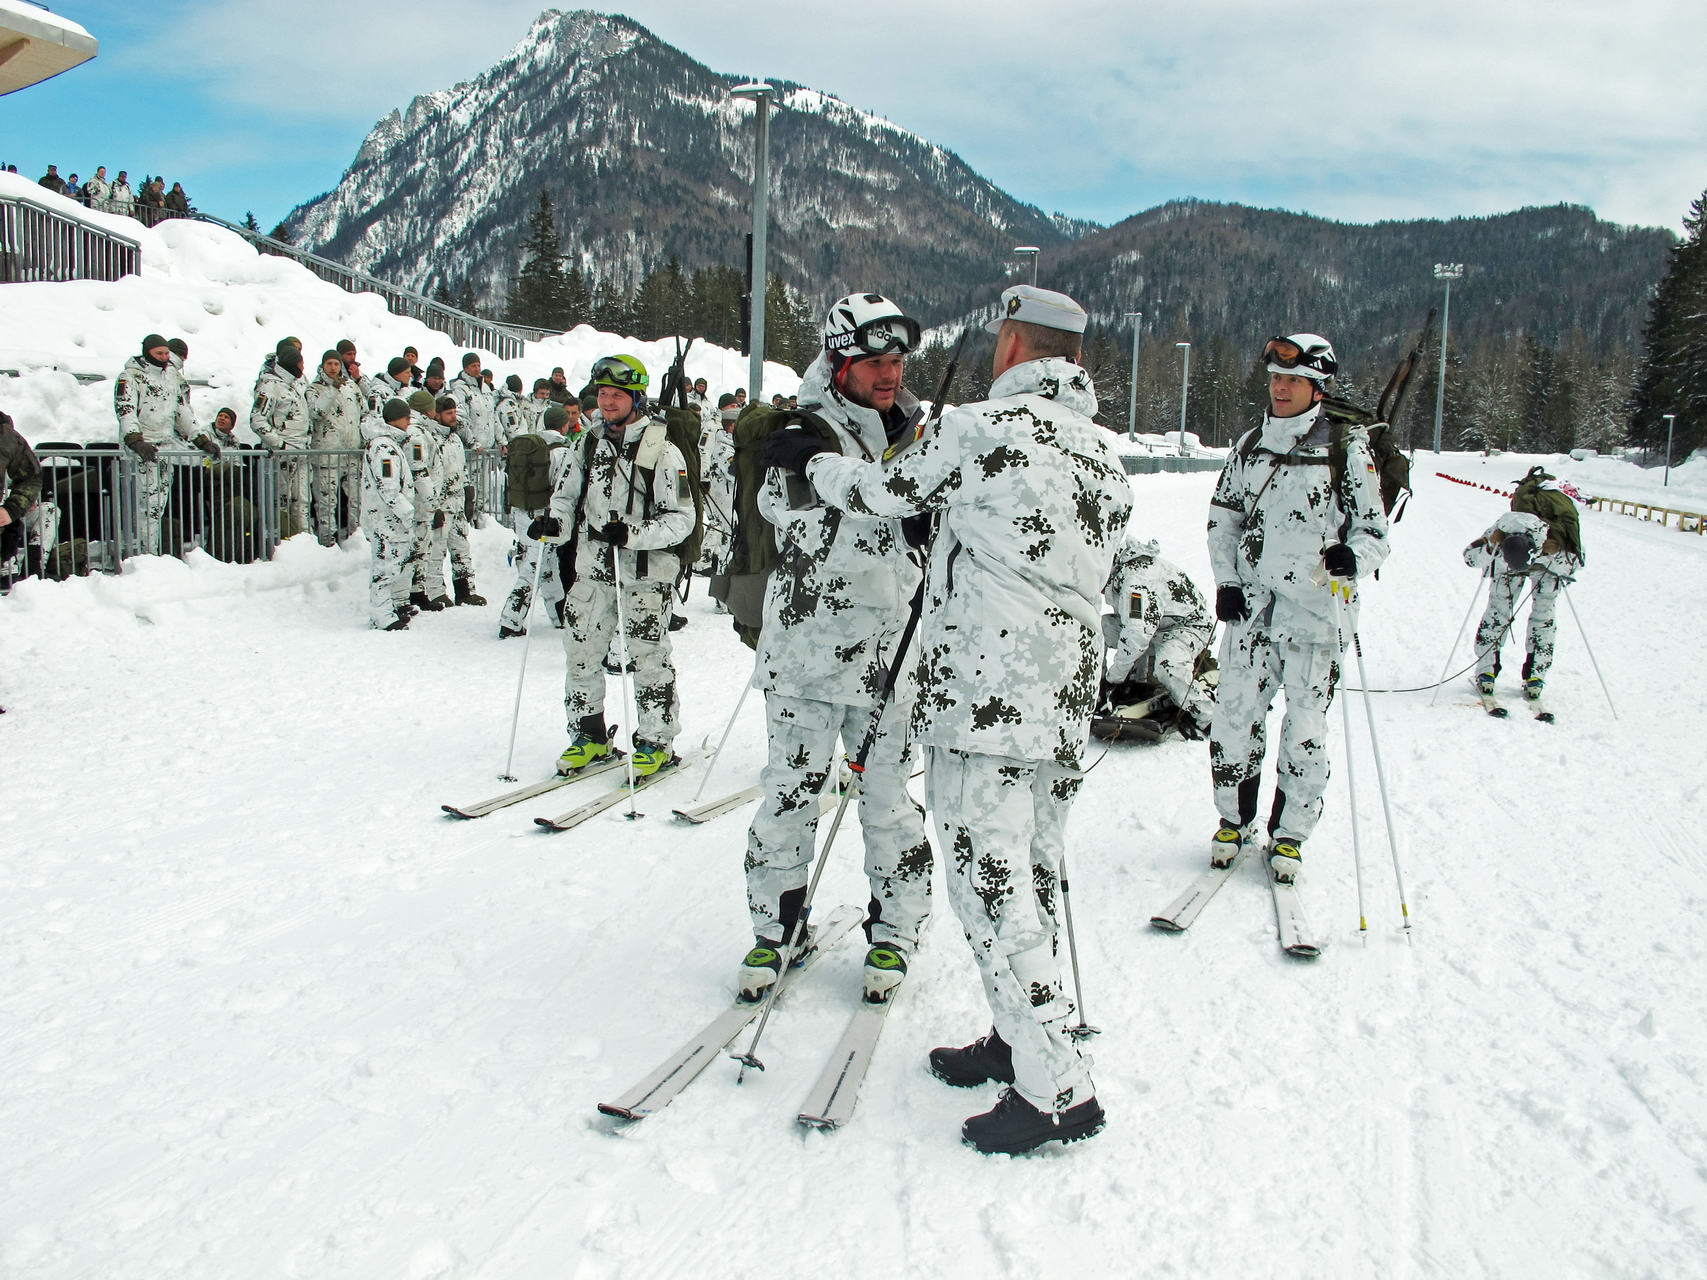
[{"x": 1040, "y": 341}]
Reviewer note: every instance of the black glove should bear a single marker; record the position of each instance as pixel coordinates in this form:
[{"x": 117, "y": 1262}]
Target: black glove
[
  {"x": 468, "y": 503},
  {"x": 614, "y": 532},
  {"x": 207, "y": 446},
  {"x": 545, "y": 527},
  {"x": 793, "y": 449},
  {"x": 438, "y": 519},
  {"x": 1340, "y": 560},
  {"x": 1230, "y": 605}
]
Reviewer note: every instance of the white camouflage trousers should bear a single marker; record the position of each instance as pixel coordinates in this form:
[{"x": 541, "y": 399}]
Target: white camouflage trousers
[
  {"x": 515, "y": 613},
  {"x": 1503, "y": 597},
  {"x": 451, "y": 537},
  {"x": 1170, "y": 662},
  {"x": 332, "y": 476},
  {"x": 388, "y": 579},
  {"x": 1001, "y": 824},
  {"x": 154, "y": 488},
  {"x": 1255, "y": 666},
  {"x": 294, "y": 478},
  {"x": 589, "y": 617},
  {"x": 803, "y": 734}
]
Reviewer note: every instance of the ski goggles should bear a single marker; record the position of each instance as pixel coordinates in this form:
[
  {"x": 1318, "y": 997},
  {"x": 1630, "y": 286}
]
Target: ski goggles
[
  {"x": 885, "y": 336},
  {"x": 611, "y": 372},
  {"x": 1289, "y": 355}
]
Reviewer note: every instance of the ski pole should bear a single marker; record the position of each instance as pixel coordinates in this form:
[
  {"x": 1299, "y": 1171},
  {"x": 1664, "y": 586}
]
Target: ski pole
[
  {"x": 717, "y": 754},
  {"x": 527, "y": 639},
  {"x": 622, "y": 659},
  {"x": 1351, "y": 778},
  {"x": 796, "y": 938},
  {"x": 1590, "y": 651},
  {"x": 1084, "y": 1030},
  {"x": 1381, "y": 782},
  {"x": 1489, "y": 577}
]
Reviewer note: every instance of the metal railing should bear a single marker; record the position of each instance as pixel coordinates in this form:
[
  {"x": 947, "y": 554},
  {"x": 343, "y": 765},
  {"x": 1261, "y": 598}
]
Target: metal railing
[
  {"x": 101, "y": 504},
  {"x": 504, "y": 340},
  {"x": 41, "y": 244}
]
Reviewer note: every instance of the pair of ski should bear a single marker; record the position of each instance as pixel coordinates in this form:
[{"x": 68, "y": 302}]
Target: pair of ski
[
  {"x": 576, "y": 816},
  {"x": 696, "y": 814},
  {"x": 1296, "y": 938},
  {"x": 830, "y": 1102}
]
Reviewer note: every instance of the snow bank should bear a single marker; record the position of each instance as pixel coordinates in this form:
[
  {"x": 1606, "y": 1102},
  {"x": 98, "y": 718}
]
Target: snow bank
[{"x": 232, "y": 305}]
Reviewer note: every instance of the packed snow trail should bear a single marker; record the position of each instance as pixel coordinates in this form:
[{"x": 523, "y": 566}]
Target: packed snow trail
[{"x": 267, "y": 1012}]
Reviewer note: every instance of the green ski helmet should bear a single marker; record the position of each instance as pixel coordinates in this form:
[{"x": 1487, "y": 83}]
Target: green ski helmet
[{"x": 625, "y": 373}]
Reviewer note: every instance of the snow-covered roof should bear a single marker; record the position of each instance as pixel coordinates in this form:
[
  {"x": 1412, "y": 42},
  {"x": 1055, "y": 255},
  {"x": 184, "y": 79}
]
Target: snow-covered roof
[{"x": 37, "y": 44}]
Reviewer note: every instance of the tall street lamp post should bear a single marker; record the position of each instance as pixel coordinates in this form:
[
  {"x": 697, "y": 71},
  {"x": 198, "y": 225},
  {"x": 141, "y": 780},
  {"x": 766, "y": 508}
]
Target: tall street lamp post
[
  {"x": 1671, "y": 423},
  {"x": 761, "y": 95},
  {"x": 1447, "y": 271},
  {"x": 1184, "y": 383},
  {"x": 1137, "y": 319}
]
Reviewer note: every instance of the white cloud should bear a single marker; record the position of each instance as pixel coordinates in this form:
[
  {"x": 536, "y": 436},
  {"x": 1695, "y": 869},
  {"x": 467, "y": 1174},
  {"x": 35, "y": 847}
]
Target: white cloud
[{"x": 1345, "y": 108}]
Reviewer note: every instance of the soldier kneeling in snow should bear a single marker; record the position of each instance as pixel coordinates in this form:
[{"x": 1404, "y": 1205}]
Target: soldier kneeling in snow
[{"x": 1160, "y": 678}]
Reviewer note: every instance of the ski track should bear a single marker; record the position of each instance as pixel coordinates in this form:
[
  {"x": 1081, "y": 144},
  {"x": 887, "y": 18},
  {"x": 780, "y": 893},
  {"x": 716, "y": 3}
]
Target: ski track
[{"x": 268, "y": 1012}]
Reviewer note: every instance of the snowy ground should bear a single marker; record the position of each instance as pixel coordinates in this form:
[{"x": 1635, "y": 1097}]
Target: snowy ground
[{"x": 269, "y": 1013}]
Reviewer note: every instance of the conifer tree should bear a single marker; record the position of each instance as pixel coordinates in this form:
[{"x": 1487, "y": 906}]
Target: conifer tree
[
  {"x": 1674, "y": 368},
  {"x": 536, "y": 298}
]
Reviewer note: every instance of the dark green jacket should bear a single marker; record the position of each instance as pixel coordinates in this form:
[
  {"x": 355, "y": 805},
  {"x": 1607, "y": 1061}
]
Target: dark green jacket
[{"x": 20, "y": 473}]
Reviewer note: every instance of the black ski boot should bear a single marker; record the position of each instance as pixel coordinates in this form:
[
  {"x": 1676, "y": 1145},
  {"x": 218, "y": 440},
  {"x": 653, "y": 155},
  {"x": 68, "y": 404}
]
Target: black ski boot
[
  {"x": 510, "y": 633},
  {"x": 425, "y": 605},
  {"x": 986, "y": 1058},
  {"x": 465, "y": 592},
  {"x": 1013, "y": 1126},
  {"x": 400, "y": 623}
]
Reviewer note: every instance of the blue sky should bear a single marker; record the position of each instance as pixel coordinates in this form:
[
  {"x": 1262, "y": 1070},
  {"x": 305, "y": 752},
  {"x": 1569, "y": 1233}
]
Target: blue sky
[{"x": 1352, "y": 109}]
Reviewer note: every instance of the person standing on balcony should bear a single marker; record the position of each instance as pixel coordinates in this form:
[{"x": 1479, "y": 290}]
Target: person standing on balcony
[
  {"x": 96, "y": 190},
  {"x": 121, "y": 199}
]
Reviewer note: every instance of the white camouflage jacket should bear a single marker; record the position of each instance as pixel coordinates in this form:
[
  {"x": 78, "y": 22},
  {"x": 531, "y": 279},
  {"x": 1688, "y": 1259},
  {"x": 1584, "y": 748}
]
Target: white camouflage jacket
[
  {"x": 388, "y": 488},
  {"x": 839, "y": 596},
  {"x": 154, "y": 402},
  {"x": 421, "y": 451},
  {"x": 1032, "y": 505},
  {"x": 659, "y": 517},
  {"x": 476, "y": 410},
  {"x": 335, "y": 412},
  {"x": 1484, "y": 552},
  {"x": 1149, "y": 595},
  {"x": 1271, "y": 517},
  {"x": 279, "y": 418}
]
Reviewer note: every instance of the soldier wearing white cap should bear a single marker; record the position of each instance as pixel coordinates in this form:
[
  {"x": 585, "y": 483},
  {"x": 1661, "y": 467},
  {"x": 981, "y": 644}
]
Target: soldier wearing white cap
[{"x": 1030, "y": 506}]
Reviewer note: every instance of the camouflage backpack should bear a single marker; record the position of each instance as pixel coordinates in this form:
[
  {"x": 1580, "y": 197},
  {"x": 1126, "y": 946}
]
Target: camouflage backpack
[{"x": 753, "y": 550}]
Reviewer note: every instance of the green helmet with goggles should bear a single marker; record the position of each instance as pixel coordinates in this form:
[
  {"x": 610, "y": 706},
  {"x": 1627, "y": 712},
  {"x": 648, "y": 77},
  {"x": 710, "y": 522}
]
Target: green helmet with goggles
[
  {"x": 1307, "y": 355},
  {"x": 625, "y": 373}
]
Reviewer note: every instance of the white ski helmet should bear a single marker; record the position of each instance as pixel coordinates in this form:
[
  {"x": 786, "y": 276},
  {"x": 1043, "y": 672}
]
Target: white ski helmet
[
  {"x": 1308, "y": 355},
  {"x": 868, "y": 324}
]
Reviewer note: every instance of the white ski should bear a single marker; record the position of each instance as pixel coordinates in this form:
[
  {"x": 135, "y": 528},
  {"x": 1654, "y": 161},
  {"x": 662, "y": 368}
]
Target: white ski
[
  {"x": 575, "y": 817},
  {"x": 530, "y": 791},
  {"x": 830, "y": 1104},
  {"x": 659, "y": 1087},
  {"x": 1178, "y": 915},
  {"x": 1295, "y": 935},
  {"x": 699, "y": 813}
]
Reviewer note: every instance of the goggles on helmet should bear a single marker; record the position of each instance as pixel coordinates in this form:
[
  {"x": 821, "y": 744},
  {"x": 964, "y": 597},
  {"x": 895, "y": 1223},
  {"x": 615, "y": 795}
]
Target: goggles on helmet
[
  {"x": 1287, "y": 354},
  {"x": 614, "y": 371},
  {"x": 885, "y": 336}
]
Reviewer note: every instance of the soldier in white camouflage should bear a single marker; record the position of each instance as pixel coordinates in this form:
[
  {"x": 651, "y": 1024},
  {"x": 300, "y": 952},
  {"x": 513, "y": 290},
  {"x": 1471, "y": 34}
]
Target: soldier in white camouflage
[
  {"x": 625, "y": 504},
  {"x": 476, "y": 404},
  {"x": 551, "y": 438},
  {"x": 834, "y": 611},
  {"x": 151, "y": 401},
  {"x": 1295, "y": 521},
  {"x": 1030, "y": 505},
  {"x": 1161, "y": 626},
  {"x": 422, "y": 441},
  {"x": 1527, "y": 559},
  {"x": 388, "y": 513},
  {"x": 453, "y": 500},
  {"x": 279, "y": 420},
  {"x": 336, "y": 407}
]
